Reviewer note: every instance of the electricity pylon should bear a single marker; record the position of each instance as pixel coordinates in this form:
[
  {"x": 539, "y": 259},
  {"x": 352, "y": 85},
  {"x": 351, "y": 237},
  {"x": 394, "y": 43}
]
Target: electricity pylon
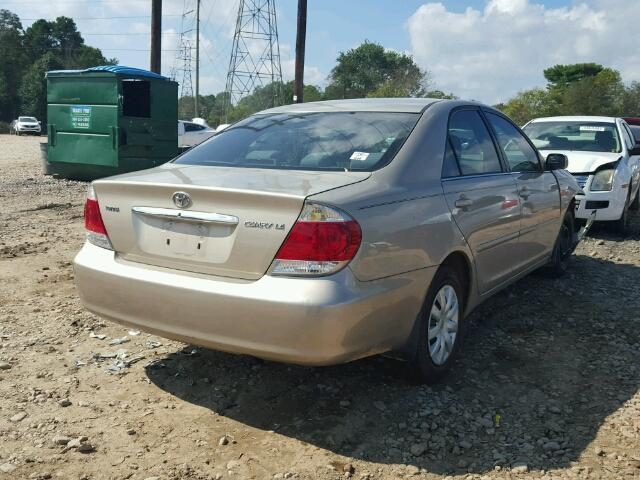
[{"x": 255, "y": 54}]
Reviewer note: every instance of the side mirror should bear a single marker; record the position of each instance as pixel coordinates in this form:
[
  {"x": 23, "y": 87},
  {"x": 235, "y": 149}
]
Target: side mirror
[{"x": 556, "y": 161}]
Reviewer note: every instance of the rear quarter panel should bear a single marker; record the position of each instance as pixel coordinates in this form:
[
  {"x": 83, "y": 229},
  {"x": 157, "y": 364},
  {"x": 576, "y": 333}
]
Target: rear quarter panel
[{"x": 406, "y": 223}]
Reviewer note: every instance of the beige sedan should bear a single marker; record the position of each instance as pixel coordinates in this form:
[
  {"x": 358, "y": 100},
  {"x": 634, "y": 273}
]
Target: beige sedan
[{"x": 324, "y": 232}]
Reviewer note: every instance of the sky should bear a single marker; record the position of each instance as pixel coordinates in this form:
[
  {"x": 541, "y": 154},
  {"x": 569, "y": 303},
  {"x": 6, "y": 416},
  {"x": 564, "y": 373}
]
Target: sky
[{"x": 487, "y": 50}]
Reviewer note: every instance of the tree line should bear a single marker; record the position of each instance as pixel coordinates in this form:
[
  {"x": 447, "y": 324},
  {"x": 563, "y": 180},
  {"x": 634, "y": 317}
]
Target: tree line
[
  {"x": 578, "y": 89},
  {"x": 25, "y": 56}
]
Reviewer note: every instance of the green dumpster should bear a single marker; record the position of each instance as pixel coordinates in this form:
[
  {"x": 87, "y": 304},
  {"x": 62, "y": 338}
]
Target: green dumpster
[{"x": 108, "y": 120}]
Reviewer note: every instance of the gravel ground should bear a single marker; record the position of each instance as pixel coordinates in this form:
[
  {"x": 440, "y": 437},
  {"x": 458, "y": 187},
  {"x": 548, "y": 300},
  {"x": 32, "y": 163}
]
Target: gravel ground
[{"x": 547, "y": 386}]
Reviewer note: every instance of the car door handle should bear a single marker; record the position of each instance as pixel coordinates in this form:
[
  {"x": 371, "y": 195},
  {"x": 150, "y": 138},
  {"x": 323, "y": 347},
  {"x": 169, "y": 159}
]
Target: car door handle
[{"x": 463, "y": 203}]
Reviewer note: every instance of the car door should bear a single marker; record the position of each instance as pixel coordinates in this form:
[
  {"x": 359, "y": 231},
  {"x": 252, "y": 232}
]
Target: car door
[
  {"x": 482, "y": 197},
  {"x": 538, "y": 191}
]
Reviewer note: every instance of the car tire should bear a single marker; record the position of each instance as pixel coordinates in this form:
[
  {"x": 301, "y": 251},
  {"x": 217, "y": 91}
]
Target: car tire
[
  {"x": 635, "y": 205},
  {"x": 621, "y": 226},
  {"x": 563, "y": 247},
  {"x": 438, "y": 341}
]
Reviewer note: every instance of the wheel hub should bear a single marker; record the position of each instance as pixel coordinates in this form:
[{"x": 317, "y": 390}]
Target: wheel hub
[{"x": 443, "y": 324}]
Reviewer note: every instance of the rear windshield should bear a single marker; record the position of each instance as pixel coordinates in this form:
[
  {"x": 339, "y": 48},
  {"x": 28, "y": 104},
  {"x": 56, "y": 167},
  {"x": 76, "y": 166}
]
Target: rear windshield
[
  {"x": 575, "y": 136},
  {"x": 344, "y": 141}
]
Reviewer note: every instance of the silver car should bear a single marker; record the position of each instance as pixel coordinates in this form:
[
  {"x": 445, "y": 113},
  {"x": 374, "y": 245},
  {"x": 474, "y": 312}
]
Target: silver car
[{"x": 324, "y": 232}]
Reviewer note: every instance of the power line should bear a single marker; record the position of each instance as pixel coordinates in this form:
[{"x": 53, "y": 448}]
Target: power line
[
  {"x": 100, "y": 18},
  {"x": 23, "y": 2},
  {"x": 93, "y": 34}
]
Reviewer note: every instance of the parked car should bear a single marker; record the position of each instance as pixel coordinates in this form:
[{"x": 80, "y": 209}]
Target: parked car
[
  {"x": 320, "y": 233},
  {"x": 191, "y": 133},
  {"x": 604, "y": 159},
  {"x": 25, "y": 125}
]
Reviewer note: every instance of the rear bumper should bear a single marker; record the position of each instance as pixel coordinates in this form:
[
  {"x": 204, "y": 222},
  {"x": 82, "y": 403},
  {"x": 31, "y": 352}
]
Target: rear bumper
[{"x": 319, "y": 321}]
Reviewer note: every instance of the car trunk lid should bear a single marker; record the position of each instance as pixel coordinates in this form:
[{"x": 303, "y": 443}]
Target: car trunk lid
[{"x": 233, "y": 225}]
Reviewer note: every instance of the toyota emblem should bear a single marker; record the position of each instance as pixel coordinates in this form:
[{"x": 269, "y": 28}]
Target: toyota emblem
[{"x": 181, "y": 199}]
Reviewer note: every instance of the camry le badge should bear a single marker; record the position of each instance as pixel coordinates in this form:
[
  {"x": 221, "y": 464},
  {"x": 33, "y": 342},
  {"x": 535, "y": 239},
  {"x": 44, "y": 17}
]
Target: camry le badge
[
  {"x": 181, "y": 199},
  {"x": 264, "y": 225}
]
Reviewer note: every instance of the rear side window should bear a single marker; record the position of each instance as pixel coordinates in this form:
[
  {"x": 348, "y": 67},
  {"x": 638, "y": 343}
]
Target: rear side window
[
  {"x": 342, "y": 141},
  {"x": 520, "y": 156},
  {"x": 471, "y": 144}
]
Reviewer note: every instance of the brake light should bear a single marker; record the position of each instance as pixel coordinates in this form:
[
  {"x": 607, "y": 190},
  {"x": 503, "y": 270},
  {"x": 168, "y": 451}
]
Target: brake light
[
  {"x": 96, "y": 231},
  {"x": 322, "y": 241}
]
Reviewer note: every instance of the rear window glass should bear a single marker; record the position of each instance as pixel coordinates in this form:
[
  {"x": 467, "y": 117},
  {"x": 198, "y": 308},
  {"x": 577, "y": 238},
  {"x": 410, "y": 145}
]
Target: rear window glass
[
  {"x": 574, "y": 136},
  {"x": 346, "y": 141}
]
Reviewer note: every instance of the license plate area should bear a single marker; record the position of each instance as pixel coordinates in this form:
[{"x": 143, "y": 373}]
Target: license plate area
[
  {"x": 186, "y": 239},
  {"x": 192, "y": 242}
]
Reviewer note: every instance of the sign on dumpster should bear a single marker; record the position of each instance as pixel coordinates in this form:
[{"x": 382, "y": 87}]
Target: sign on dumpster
[{"x": 81, "y": 116}]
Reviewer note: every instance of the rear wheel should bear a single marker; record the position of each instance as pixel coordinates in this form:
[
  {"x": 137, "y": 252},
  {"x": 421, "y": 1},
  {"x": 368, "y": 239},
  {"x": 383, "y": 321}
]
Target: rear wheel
[
  {"x": 440, "y": 329},
  {"x": 563, "y": 247}
]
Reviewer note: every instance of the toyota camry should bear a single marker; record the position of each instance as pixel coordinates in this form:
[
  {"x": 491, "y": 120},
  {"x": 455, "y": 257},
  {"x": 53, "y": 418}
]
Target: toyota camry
[{"x": 320, "y": 233}]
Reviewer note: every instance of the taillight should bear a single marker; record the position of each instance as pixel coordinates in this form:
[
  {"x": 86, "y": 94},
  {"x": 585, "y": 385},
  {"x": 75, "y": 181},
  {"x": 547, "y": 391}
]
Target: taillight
[
  {"x": 321, "y": 242},
  {"x": 96, "y": 231}
]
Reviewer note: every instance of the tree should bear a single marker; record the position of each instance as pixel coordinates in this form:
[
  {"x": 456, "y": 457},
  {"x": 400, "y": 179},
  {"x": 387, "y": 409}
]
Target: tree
[
  {"x": 631, "y": 100},
  {"x": 12, "y": 62},
  {"x": 33, "y": 89},
  {"x": 25, "y": 57},
  {"x": 529, "y": 104},
  {"x": 561, "y": 76},
  {"x": 601, "y": 94},
  {"x": 440, "y": 95},
  {"x": 61, "y": 37},
  {"x": 580, "y": 89},
  {"x": 370, "y": 69}
]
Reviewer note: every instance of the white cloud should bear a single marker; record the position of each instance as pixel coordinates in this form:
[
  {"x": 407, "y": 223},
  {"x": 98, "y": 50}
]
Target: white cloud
[{"x": 493, "y": 53}]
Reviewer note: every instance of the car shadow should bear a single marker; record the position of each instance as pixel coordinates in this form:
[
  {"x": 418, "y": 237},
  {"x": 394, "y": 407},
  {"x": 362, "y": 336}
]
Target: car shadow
[{"x": 545, "y": 363}]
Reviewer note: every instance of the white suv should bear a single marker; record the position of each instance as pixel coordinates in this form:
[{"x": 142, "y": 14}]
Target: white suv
[
  {"x": 26, "y": 125},
  {"x": 603, "y": 157}
]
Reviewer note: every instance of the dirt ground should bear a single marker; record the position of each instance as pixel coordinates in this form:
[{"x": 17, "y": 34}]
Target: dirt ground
[{"x": 547, "y": 386}]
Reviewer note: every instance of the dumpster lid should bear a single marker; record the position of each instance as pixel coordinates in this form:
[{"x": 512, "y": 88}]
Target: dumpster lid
[{"x": 117, "y": 69}]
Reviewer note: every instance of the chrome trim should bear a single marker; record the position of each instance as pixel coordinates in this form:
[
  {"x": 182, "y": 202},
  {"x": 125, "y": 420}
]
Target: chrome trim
[
  {"x": 186, "y": 216},
  {"x": 582, "y": 179}
]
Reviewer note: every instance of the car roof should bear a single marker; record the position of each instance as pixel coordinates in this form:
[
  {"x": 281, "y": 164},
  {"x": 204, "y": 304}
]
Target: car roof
[
  {"x": 578, "y": 118},
  {"x": 405, "y": 105}
]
